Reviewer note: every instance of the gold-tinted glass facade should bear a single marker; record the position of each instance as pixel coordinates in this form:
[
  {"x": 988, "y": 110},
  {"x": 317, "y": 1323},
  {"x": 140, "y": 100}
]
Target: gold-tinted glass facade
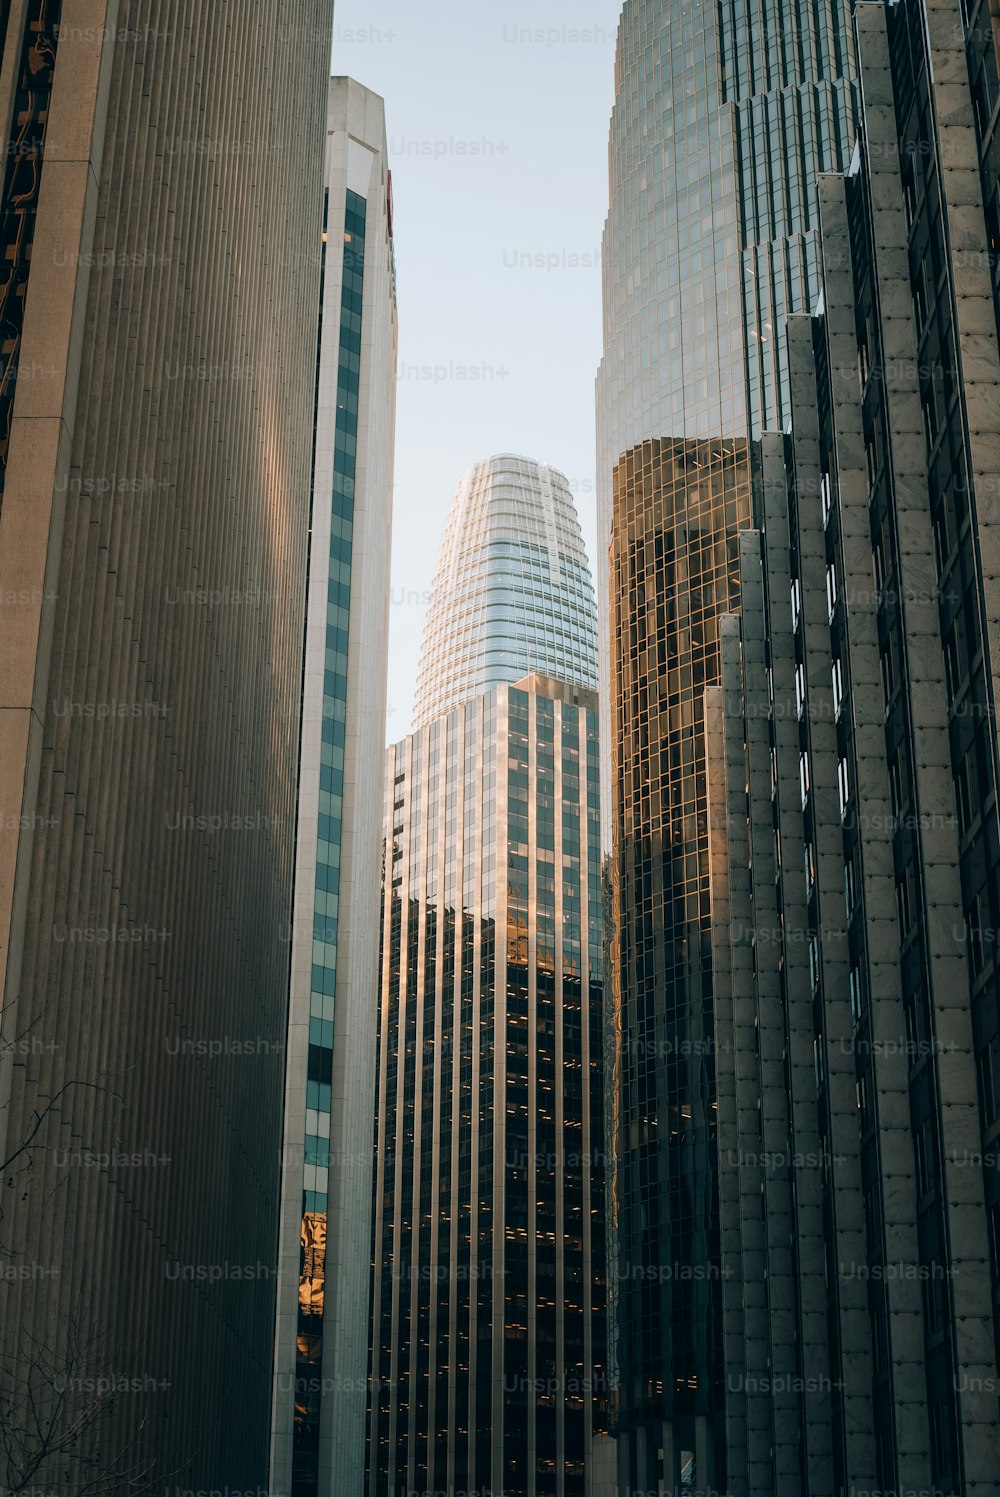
[{"x": 674, "y": 571}]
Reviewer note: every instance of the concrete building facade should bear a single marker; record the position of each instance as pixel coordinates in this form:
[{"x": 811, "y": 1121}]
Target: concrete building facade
[
  {"x": 158, "y": 315},
  {"x": 852, "y": 752},
  {"x": 321, "y": 1361}
]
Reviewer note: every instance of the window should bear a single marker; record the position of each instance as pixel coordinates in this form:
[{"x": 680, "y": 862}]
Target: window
[
  {"x": 955, "y": 658},
  {"x": 942, "y": 536},
  {"x": 905, "y": 901},
  {"x": 909, "y": 192},
  {"x": 872, "y": 458},
  {"x": 928, "y": 402},
  {"x": 989, "y": 1081},
  {"x": 873, "y": 1219},
  {"x": 880, "y": 564},
  {"x": 977, "y": 944},
  {"x": 923, "y": 1154},
  {"x": 895, "y": 785},
  {"x": 800, "y": 689},
  {"x": 838, "y": 686},
  {"x": 963, "y": 796},
  {"x": 850, "y": 886},
  {"x": 813, "y": 962},
  {"x": 914, "y": 1013},
  {"x": 804, "y": 779},
  {"x": 888, "y": 668},
  {"x": 941, "y": 1446},
  {"x": 995, "y": 1237},
  {"x": 919, "y": 296}
]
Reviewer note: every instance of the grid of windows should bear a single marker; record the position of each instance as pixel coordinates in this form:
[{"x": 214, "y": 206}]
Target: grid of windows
[
  {"x": 312, "y": 1283},
  {"x": 678, "y": 510},
  {"x": 724, "y": 116},
  {"x": 512, "y": 591},
  {"x": 488, "y": 1363}
]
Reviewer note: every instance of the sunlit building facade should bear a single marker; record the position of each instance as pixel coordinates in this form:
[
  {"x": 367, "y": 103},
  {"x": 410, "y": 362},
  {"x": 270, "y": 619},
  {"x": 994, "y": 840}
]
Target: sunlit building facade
[
  {"x": 724, "y": 119},
  {"x": 512, "y": 592},
  {"x": 488, "y": 1367},
  {"x": 322, "y": 1324}
]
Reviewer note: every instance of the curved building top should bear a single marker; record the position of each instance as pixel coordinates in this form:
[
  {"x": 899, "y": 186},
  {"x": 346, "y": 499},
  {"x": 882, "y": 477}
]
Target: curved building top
[
  {"x": 724, "y": 118},
  {"x": 513, "y": 592}
]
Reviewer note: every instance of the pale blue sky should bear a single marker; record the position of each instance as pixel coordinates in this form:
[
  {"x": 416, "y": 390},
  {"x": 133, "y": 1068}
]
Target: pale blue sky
[{"x": 498, "y": 125}]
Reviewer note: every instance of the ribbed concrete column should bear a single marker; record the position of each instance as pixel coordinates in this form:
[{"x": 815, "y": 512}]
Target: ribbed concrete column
[
  {"x": 781, "y": 1362},
  {"x": 968, "y": 1251},
  {"x": 748, "y": 1388},
  {"x": 849, "y": 1250},
  {"x": 970, "y": 273},
  {"x": 805, "y": 1136}
]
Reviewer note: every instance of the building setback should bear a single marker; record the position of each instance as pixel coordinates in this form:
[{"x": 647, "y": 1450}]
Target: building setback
[
  {"x": 488, "y": 1340},
  {"x": 852, "y": 766},
  {"x": 321, "y": 1360},
  {"x": 158, "y": 317},
  {"x": 725, "y": 116}
]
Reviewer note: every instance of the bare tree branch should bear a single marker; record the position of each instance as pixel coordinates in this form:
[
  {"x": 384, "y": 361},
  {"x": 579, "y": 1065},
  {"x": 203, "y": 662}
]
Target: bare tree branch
[
  {"x": 64, "y": 1422},
  {"x": 50, "y": 1435},
  {"x": 39, "y": 1118}
]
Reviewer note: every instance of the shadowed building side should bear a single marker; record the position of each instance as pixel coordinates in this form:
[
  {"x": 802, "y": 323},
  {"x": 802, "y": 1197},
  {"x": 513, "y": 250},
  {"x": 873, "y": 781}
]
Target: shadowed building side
[
  {"x": 158, "y": 317},
  {"x": 853, "y": 755}
]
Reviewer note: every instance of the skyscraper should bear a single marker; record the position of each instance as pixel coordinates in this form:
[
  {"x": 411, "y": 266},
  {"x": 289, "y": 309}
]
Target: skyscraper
[
  {"x": 488, "y": 1340},
  {"x": 512, "y": 592},
  {"x": 157, "y": 313},
  {"x": 852, "y": 751},
  {"x": 322, "y": 1331},
  {"x": 724, "y": 118}
]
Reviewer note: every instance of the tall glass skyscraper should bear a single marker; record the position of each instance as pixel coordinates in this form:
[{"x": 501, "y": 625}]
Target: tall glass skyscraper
[
  {"x": 725, "y": 116},
  {"x": 512, "y": 592},
  {"x": 321, "y": 1340},
  {"x": 488, "y": 1338}
]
